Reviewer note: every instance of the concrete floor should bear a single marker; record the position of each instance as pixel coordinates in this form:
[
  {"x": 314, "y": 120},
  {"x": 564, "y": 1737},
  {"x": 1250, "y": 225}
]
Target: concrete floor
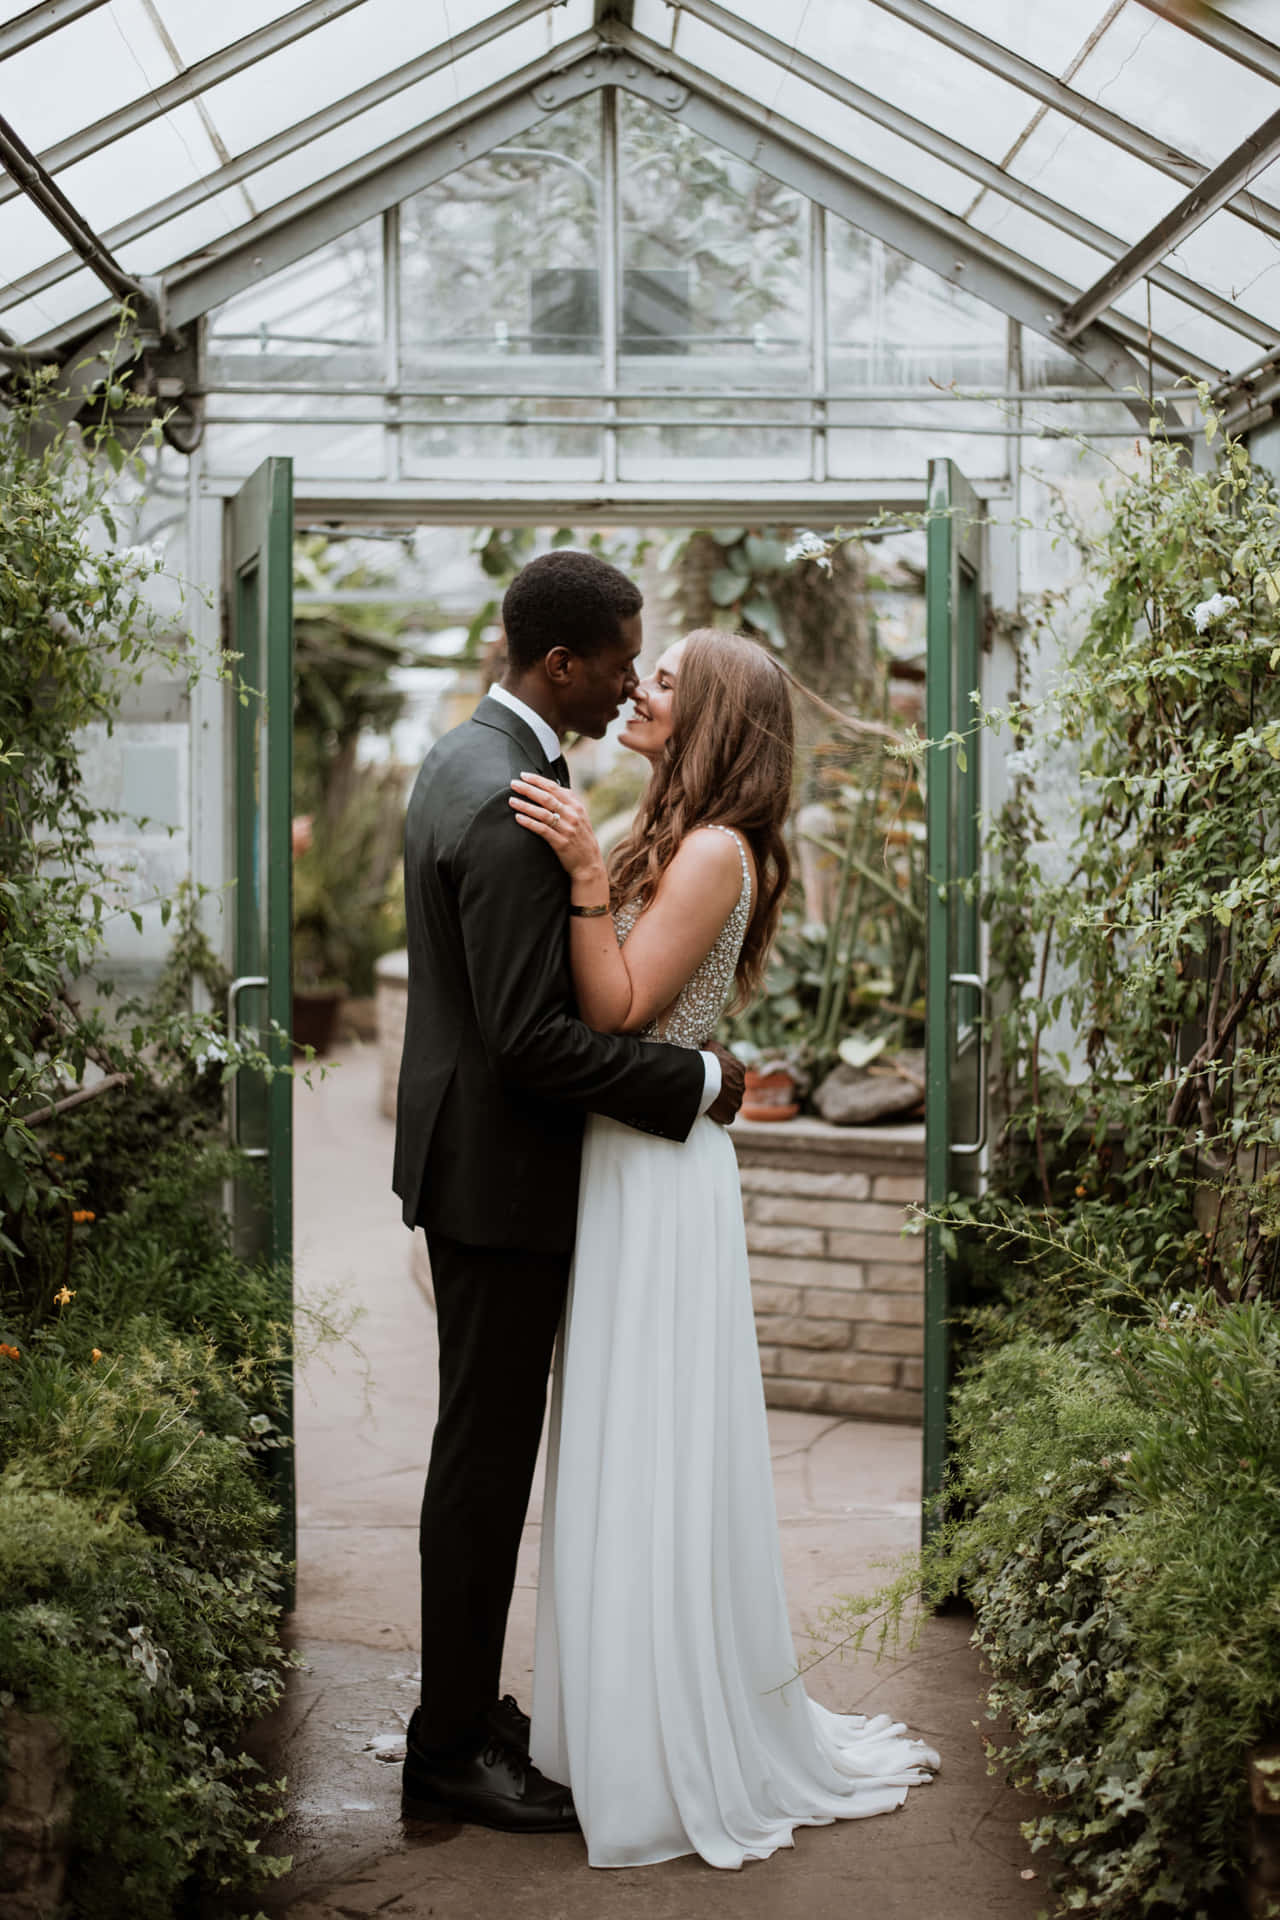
[{"x": 847, "y": 1498}]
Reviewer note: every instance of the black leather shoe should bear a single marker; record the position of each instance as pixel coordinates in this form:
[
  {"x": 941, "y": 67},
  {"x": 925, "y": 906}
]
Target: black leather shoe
[
  {"x": 492, "y": 1785},
  {"x": 508, "y": 1720}
]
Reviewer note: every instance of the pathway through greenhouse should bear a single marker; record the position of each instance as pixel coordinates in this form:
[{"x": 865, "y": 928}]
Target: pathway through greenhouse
[{"x": 848, "y": 1495}]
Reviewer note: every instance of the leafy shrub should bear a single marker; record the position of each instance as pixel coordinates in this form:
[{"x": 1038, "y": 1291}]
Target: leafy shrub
[
  {"x": 1120, "y": 1549},
  {"x": 140, "y": 1360},
  {"x": 1116, "y": 1429}
]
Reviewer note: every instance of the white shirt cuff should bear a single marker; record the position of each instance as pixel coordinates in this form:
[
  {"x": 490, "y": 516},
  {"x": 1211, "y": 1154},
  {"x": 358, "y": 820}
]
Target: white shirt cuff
[{"x": 711, "y": 1089}]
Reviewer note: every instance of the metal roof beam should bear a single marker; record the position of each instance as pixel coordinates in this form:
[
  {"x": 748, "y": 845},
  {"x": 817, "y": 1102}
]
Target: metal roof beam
[
  {"x": 340, "y": 201},
  {"x": 255, "y": 46},
  {"x": 1010, "y": 66},
  {"x": 281, "y": 145},
  {"x": 905, "y": 220},
  {"x": 1215, "y": 29},
  {"x": 1217, "y": 187},
  {"x": 39, "y": 21},
  {"x": 964, "y": 160}
]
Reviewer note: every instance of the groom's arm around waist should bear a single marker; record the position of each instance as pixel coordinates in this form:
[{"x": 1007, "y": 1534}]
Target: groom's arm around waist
[{"x": 512, "y": 904}]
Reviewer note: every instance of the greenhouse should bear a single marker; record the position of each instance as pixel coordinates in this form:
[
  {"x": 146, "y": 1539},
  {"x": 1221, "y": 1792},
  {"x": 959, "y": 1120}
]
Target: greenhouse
[{"x": 934, "y": 347}]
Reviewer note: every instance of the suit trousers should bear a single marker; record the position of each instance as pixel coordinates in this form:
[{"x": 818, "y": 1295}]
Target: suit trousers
[{"x": 497, "y": 1310}]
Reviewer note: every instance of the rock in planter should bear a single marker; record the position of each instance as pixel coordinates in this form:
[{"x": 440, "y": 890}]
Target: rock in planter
[
  {"x": 854, "y": 1097},
  {"x": 35, "y": 1814}
]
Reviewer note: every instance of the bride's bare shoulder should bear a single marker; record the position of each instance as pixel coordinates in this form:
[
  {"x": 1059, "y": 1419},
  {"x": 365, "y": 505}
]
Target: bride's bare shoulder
[{"x": 708, "y": 858}]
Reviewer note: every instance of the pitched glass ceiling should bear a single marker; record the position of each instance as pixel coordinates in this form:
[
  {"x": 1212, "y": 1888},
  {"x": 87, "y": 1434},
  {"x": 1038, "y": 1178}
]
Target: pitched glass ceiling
[{"x": 1042, "y": 143}]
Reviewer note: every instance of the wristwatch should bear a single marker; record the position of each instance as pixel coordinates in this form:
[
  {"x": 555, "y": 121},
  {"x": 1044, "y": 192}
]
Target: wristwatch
[{"x": 589, "y": 913}]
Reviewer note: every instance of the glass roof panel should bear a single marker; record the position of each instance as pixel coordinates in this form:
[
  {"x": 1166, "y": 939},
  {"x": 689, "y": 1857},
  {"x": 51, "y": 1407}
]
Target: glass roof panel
[
  {"x": 81, "y": 292},
  {"x": 177, "y": 239},
  {"x": 198, "y": 29},
  {"x": 1026, "y": 233},
  {"x": 333, "y": 61},
  {"x": 656, "y": 20},
  {"x": 174, "y": 151},
  {"x": 89, "y": 68},
  {"x": 1051, "y": 33},
  {"x": 416, "y": 106},
  {"x": 808, "y": 106},
  {"x": 1100, "y": 180},
  {"x": 1168, "y": 81},
  {"x": 1143, "y": 66},
  {"x": 564, "y": 22},
  {"x": 903, "y": 65},
  {"x": 1235, "y": 260},
  {"x": 26, "y": 238},
  {"x": 1199, "y": 333}
]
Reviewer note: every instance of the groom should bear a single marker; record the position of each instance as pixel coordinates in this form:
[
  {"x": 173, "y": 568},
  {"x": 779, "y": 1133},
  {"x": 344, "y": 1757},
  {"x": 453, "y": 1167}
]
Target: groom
[{"x": 496, "y": 1079}]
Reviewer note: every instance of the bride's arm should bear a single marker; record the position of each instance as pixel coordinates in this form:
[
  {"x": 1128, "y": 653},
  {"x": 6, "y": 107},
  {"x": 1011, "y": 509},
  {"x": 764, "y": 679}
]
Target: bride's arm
[{"x": 620, "y": 989}]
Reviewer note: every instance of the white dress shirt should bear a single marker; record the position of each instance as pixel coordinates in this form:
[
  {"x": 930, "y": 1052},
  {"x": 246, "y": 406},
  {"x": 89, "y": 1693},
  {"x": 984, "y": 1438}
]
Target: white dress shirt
[{"x": 549, "y": 740}]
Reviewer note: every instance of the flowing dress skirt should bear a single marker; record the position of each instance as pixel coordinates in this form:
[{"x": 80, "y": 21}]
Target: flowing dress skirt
[{"x": 665, "y": 1691}]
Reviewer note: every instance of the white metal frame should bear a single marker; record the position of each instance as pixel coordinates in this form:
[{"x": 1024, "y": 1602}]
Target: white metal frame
[{"x": 1120, "y": 351}]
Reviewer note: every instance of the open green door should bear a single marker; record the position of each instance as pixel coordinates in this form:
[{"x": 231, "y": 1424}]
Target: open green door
[
  {"x": 260, "y": 631},
  {"x": 955, "y": 1063}
]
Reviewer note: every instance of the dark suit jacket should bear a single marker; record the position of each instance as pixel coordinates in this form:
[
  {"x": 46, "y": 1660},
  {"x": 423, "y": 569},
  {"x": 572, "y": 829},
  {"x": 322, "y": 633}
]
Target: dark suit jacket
[{"x": 498, "y": 1073}]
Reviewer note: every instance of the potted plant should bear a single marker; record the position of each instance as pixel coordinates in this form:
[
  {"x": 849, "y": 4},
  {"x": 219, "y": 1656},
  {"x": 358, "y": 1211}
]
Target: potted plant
[{"x": 775, "y": 1079}]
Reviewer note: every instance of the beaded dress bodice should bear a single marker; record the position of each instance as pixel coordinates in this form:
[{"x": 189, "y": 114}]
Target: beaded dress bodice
[{"x": 694, "y": 1015}]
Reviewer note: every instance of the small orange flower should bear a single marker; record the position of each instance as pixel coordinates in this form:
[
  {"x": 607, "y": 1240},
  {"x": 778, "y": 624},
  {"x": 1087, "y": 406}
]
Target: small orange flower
[
  {"x": 61, "y": 1157},
  {"x": 64, "y": 1296},
  {"x": 96, "y": 1355},
  {"x": 10, "y": 1353},
  {"x": 1081, "y": 1192},
  {"x": 83, "y": 1215}
]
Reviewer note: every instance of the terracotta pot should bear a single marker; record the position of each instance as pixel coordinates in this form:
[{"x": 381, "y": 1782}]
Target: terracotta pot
[
  {"x": 315, "y": 1017},
  {"x": 770, "y": 1095}
]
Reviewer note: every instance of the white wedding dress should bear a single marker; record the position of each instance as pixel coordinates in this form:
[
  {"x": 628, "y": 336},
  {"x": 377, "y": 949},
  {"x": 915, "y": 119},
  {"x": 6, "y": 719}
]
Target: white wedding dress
[{"x": 665, "y": 1691}]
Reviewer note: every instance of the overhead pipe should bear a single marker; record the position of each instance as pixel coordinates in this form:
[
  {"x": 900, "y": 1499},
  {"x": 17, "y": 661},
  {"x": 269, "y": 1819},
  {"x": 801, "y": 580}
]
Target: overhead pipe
[{"x": 43, "y": 190}]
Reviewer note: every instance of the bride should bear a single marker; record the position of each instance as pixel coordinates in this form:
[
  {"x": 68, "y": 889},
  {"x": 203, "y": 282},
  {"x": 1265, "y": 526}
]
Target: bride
[{"x": 665, "y": 1687}]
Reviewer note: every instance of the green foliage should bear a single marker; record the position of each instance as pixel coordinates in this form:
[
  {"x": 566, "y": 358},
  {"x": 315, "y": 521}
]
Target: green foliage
[
  {"x": 1158, "y": 932},
  {"x": 140, "y": 1360},
  {"x": 1116, "y": 1430},
  {"x": 1118, "y": 1544},
  {"x": 140, "y": 1578}
]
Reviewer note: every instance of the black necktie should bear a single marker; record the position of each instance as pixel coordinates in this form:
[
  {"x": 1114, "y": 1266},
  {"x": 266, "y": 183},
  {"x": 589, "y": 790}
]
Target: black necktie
[{"x": 560, "y": 771}]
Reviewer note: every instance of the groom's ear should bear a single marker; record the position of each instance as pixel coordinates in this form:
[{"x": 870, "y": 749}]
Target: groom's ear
[{"x": 558, "y": 665}]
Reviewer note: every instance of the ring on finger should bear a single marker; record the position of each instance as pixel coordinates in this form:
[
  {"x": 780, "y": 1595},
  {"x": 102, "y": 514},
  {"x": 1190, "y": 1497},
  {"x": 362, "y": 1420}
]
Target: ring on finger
[{"x": 555, "y": 819}]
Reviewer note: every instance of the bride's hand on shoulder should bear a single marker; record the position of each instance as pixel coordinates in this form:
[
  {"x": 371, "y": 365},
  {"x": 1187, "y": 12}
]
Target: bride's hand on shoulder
[{"x": 558, "y": 816}]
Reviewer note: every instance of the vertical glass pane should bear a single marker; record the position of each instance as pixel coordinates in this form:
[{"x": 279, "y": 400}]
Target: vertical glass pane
[
  {"x": 318, "y": 321},
  {"x": 895, "y": 323},
  {"x": 500, "y": 293},
  {"x": 898, "y": 329},
  {"x": 714, "y": 297},
  {"x": 498, "y": 264}
]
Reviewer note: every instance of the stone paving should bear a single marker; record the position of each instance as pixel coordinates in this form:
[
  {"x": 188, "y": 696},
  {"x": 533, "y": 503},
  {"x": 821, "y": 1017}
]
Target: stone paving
[{"x": 847, "y": 1497}]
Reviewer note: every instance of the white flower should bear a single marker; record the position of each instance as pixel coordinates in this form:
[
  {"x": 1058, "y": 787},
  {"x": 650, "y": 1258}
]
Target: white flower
[
  {"x": 211, "y": 1053},
  {"x": 1213, "y": 609},
  {"x": 810, "y": 546},
  {"x": 145, "y": 559}
]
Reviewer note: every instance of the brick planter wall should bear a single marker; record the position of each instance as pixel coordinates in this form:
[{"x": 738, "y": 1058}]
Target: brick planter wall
[{"x": 838, "y": 1292}]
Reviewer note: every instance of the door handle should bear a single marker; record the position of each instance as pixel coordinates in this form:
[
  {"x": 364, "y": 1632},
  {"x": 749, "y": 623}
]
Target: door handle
[
  {"x": 966, "y": 1149},
  {"x": 234, "y": 991}
]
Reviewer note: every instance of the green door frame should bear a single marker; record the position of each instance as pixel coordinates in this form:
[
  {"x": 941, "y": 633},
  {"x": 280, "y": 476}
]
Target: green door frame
[
  {"x": 259, "y": 603},
  {"x": 955, "y": 1063}
]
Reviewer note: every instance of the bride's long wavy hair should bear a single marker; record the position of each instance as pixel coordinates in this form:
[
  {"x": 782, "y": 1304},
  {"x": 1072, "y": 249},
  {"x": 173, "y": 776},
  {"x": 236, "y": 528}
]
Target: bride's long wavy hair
[{"x": 728, "y": 763}]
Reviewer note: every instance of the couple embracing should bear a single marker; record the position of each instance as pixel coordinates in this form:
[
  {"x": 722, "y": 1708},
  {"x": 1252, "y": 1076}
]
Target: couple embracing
[{"x": 561, "y": 1138}]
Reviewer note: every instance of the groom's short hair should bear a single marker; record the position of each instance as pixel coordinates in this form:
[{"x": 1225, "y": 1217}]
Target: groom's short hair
[{"x": 566, "y": 598}]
